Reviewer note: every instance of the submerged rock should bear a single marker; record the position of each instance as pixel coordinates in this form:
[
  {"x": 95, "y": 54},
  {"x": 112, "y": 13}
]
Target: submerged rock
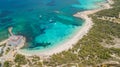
[
  {"x": 51, "y": 3},
  {"x": 5, "y": 13},
  {"x": 44, "y": 45},
  {"x": 6, "y": 22}
]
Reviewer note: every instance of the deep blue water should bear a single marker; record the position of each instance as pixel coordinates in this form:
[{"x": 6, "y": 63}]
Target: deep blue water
[{"x": 43, "y": 22}]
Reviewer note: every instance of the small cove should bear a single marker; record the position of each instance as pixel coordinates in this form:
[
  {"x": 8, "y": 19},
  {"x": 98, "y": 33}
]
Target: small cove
[{"x": 44, "y": 23}]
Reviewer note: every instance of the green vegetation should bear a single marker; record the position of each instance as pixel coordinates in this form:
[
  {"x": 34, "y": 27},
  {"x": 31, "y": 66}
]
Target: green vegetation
[
  {"x": 7, "y": 64},
  {"x": 111, "y": 12},
  {"x": 36, "y": 62},
  {"x": 20, "y": 59},
  {"x": 35, "y": 58},
  {"x": 90, "y": 49},
  {"x": 7, "y": 50},
  {"x": 0, "y": 64}
]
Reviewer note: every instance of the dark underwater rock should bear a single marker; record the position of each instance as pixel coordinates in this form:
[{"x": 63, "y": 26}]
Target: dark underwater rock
[
  {"x": 51, "y": 3},
  {"x": 5, "y": 13},
  {"x": 40, "y": 45},
  {"x": 6, "y": 21}
]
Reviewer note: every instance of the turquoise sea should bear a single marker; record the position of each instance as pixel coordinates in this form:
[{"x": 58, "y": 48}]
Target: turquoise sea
[{"x": 44, "y": 23}]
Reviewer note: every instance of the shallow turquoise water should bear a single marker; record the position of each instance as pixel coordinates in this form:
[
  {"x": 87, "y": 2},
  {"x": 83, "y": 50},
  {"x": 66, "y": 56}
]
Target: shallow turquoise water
[{"x": 44, "y": 23}]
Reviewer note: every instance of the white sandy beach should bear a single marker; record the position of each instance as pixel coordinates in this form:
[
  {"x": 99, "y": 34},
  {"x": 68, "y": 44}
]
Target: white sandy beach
[{"x": 73, "y": 40}]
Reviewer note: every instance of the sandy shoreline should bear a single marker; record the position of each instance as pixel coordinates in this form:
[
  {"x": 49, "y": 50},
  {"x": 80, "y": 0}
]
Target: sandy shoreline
[{"x": 72, "y": 41}]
